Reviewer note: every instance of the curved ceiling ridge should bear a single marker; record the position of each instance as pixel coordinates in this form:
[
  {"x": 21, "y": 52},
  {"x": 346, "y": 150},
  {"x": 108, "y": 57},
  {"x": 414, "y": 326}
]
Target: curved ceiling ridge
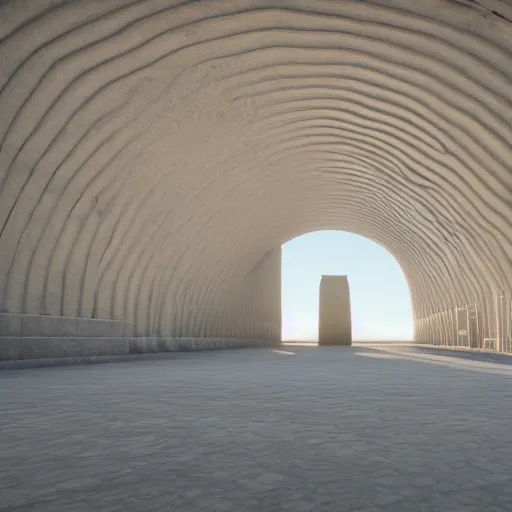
[{"x": 152, "y": 153}]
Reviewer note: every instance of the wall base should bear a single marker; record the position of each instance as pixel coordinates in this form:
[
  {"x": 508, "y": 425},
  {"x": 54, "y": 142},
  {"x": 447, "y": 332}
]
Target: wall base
[
  {"x": 342, "y": 343},
  {"x": 31, "y": 348}
]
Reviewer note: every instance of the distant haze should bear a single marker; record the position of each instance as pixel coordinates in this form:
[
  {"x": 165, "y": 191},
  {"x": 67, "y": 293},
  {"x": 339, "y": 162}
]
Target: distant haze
[{"x": 381, "y": 304}]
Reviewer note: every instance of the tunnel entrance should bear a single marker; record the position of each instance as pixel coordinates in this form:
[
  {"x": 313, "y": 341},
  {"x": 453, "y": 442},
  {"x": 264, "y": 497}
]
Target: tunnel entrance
[{"x": 379, "y": 298}]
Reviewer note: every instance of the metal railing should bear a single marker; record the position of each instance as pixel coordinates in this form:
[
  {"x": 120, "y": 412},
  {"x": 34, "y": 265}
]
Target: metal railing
[
  {"x": 470, "y": 326},
  {"x": 490, "y": 343}
]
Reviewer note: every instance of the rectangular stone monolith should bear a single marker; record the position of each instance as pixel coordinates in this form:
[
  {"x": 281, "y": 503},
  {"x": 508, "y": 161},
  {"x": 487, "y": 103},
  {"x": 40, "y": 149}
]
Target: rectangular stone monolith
[{"x": 335, "y": 324}]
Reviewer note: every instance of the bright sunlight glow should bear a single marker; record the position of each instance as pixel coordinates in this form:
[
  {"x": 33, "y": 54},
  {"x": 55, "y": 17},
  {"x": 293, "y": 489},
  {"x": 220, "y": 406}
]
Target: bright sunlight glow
[{"x": 380, "y": 300}]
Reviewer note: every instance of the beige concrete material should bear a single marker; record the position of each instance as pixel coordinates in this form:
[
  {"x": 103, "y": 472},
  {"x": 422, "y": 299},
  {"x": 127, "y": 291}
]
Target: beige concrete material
[
  {"x": 335, "y": 322},
  {"x": 154, "y": 155},
  {"x": 84, "y": 347},
  {"x": 12, "y": 324},
  {"x": 42, "y": 325},
  {"x": 9, "y": 348}
]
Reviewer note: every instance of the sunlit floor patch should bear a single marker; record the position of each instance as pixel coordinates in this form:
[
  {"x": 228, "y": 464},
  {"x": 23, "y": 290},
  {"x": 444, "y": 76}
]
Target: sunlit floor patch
[
  {"x": 284, "y": 352},
  {"x": 310, "y": 344},
  {"x": 379, "y": 356}
]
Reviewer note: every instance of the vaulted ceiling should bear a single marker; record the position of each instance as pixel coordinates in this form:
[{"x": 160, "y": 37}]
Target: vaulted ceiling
[{"x": 155, "y": 153}]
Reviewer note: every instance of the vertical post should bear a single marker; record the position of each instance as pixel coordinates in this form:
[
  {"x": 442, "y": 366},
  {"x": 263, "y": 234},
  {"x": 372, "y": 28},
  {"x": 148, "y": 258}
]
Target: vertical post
[
  {"x": 456, "y": 326},
  {"x": 507, "y": 321},
  {"x": 452, "y": 322},
  {"x": 462, "y": 326},
  {"x": 500, "y": 341},
  {"x": 478, "y": 335},
  {"x": 510, "y": 324},
  {"x": 508, "y": 327},
  {"x": 472, "y": 326}
]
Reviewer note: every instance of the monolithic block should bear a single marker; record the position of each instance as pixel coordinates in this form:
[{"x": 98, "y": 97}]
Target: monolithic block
[
  {"x": 48, "y": 326},
  {"x": 10, "y": 324},
  {"x": 92, "y": 327},
  {"x": 9, "y": 348},
  {"x": 335, "y": 325},
  {"x": 49, "y": 348}
]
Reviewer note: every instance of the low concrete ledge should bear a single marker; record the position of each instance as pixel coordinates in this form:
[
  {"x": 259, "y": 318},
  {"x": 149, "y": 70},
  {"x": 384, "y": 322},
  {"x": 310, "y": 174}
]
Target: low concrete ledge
[
  {"x": 145, "y": 345},
  {"x": 10, "y": 325},
  {"x": 21, "y": 364},
  {"x": 100, "y": 328},
  {"x": 46, "y": 326},
  {"x": 21, "y": 348},
  {"x": 9, "y": 348},
  {"x": 18, "y": 349}
]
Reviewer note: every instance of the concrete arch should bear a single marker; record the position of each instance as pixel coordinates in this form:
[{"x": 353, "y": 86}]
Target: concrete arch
[{"x": 154, "y": 154}]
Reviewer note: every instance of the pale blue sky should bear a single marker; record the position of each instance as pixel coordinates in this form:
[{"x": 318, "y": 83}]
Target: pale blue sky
[{"x": 381, "y": 305}]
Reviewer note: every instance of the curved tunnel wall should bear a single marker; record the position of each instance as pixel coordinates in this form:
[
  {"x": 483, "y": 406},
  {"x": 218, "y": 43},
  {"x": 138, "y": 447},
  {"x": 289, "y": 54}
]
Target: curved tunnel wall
[{"x": 155, "y": 153}]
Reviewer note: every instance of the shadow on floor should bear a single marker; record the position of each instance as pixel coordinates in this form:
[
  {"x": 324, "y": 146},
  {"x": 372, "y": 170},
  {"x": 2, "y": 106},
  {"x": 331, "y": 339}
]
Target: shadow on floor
[
  {"x": 486, "y": 357},
  {"x": 388, "y": 349}
]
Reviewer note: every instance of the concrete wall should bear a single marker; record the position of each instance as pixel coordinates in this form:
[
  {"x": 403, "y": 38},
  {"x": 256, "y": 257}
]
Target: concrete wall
[
  {"x": 252, "y": 318},
  {"x": 152, "y": 153},
  {"x": 44, "y": 337}
]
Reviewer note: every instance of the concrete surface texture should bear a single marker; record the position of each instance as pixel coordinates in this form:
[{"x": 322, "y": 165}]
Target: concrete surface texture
[
  {"x": 334, "y": 317},
  {"x": 334, "y": 322},
  {"x": 390, "y": 429},
  {"x": 154, "y": 155}
]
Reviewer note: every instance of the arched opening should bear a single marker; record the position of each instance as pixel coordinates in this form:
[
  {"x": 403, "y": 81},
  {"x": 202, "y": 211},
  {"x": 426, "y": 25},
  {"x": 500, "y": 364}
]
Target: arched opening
[{"x": 380, "y": 298}]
